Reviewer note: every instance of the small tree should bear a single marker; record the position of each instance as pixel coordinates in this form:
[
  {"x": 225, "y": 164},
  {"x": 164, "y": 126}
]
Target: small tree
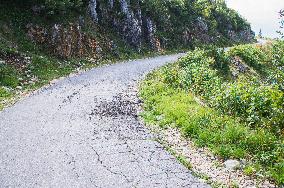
[
  {"x": 281, "y": 31},
  {"x": 260, "y": 34}
]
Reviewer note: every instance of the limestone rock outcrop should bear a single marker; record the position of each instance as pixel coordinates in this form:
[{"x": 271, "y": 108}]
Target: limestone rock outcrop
[
  {"x": 241, "y": 36},
  {"x": 128, "y": 21},
  {"x": 138, "y": 26},
  {"x": 63, "y": 41}
]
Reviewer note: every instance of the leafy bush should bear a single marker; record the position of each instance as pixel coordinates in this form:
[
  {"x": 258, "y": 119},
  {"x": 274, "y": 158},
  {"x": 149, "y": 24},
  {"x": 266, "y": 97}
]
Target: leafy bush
[
  {"x": 4, "y": 92},
  {"x": 52, "y": 5},
  {"x": 252, "y": 55},
  {"x": 197, "y": 75},
  {"x": 63, "y": 4},
  {"x": 277, "y": 52},
  {"x": 281, "y": 30},
  {"x": 245, "y": 115},
  {"x": 257, "y": 104},
  {"x": 276, "y": 74},
  {"x": 226, "y": 136},
  {"x": 175, "y": 17}
]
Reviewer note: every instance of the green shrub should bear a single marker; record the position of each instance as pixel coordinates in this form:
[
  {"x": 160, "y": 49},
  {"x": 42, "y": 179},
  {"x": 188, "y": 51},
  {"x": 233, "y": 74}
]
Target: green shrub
[
  {"x": 52, "y": 5},
  {"x": 256, "y": 104},
  {"x": 197, "y": 74},
  {"x": 276, "y": 72},
  {"x": 244, "y": 117},
  {"x": 277, "y": 172},
  {"x": 277, "y": 53},
  {"x": 4, "y": 92},
  {"x": 251, "y": 54},
  {"x": 249, "y": 170},
  {"x": 226, "y": 136}
]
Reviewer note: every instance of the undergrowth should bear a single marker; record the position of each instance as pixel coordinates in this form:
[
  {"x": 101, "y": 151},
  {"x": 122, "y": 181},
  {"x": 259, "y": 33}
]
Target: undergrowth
[{"x": 225, "y": 101}]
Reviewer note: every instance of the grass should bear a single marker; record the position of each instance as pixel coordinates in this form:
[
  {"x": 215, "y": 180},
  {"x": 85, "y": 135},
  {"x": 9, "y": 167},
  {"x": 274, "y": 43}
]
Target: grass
[
  {"x": 4, "y": 95},
  {"x": 226, "y": 136},
  {"x": 8, "y": 76}
]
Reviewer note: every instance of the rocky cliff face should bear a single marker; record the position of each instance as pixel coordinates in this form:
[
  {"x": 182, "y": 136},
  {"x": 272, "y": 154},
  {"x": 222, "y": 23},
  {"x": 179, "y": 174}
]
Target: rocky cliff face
[
  {"x": 137, "y": 26},
  {"x": 241, "y": 36},
  {"x": 129, "y": 21},
  {"x": 70, "y": 41}
]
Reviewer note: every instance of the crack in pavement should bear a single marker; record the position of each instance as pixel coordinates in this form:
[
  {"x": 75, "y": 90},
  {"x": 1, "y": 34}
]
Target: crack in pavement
[
  {"x": 84, "y": 131},
  {"x": 108, "y": 168}
]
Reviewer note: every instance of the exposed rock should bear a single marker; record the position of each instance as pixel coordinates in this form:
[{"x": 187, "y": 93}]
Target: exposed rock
[
  {"x": 233, "y": 35},
  {"x": 131, "y": 27},
  {"x": 245, "y": 35},
  {"x": 237, "y": 62},
  {"x": 37, "y": 9},
  {"x": 187, "y": 36},
  {"x": 128, "y": 21},
  {"x": 111, "y": 4},
  {"x": 114, "y": 48},
  {"x": 81, "y": 21},
  {"x": 201, "y": 25},
  {"x": 232, "y": 164},
  {"x": 93, "y": 10},
  {"x": 135, "y": 26},
  {"x": 65, "y": 42},
  {"x": 151, "y": 29},
  {"x": 200, "y": 32},
  {"x": 238, "y": 67},
  {"x": 36, "y": 33},
  {"x": 124, "y": 7}
]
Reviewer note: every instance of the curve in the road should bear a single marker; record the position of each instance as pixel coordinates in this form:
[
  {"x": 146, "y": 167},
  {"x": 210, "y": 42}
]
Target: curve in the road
[{"x": 84, "y": 132}]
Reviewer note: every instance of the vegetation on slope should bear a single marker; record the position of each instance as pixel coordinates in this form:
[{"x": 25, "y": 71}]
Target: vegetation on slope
[
  {"x": 182, "y": 17},
  {"x": 231, "y": 102},
  {"x": 172, "y": 18}
]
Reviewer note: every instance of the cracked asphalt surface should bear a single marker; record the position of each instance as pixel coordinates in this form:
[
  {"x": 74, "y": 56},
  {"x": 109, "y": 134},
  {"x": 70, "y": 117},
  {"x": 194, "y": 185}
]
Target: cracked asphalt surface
[{"x": 84, "y": 131}]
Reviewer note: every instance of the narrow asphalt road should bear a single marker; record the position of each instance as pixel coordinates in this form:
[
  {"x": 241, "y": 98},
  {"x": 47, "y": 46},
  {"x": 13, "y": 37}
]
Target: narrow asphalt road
[{"x": 83, "y": 131}]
